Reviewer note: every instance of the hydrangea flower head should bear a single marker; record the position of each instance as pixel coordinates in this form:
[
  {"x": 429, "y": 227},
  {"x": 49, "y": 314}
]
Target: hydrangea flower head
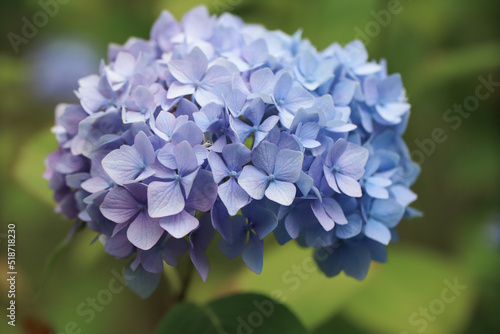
[{"x": 214, "y": 127}]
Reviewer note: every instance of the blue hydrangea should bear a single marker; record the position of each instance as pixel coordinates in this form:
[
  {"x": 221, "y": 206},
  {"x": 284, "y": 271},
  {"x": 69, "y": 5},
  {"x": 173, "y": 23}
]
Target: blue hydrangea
[{"x": 217, "y": 127}]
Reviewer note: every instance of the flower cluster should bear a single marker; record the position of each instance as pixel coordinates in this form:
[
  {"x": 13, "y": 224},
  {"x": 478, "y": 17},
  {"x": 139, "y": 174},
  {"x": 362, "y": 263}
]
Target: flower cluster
[{"x": 214, "y": 125}]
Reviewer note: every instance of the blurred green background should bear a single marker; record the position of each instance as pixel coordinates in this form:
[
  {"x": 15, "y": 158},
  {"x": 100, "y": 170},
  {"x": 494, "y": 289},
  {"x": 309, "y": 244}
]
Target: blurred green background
[{"x": 441, "y": 48}]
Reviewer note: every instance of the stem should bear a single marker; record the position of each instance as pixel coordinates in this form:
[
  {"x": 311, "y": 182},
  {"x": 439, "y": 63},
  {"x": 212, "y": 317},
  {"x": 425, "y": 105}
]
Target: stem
[
  {"x": 179, "y": 279},
  {"x": 186, "y": 281}
]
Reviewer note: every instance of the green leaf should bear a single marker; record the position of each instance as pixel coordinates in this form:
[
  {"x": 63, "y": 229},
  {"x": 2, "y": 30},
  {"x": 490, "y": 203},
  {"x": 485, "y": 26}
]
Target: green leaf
[
  {"x": 29, "y": 167},
  {"x": 415, "y": 282},
  {"x": 291, "y": 275},
  {"x": 243, "y": 313},
  {"x": 456, "y": 64},
  {"x": 338, "y": 324},
  {"x": 187, "y": 318}
]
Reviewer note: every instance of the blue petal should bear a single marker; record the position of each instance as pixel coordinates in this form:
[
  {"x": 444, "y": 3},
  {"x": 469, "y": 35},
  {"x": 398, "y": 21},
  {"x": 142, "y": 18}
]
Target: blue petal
[
  {"x": 376, "y": 191},
  {"x": 343, "y": 92},
  {"x": 187, "y": 182},
  {"x": 221, "y": 221},
  {"x": 377, "y": 231},
  {"x": 177, "y": 90},
  {"x": 218, "y": 167},
  {"x": 281, "y": 192},
  {"x": 236, "y": 155},
  {"x": 235, "y": 246},
  {"x": 264, "y": 220},
  {"x": 188, "y": 132},
  {"x": 203, "y": 193},
  {"x": 119, "y": 245},
  {"x": 334, "y": 261},
  {"x": 172, "y": 249},
  {"x": 264, "y": 157},
  {"x": 119, "y": 206},
  {"x": 403, "y": 195},
  {"x": 269, "y": 123},
  {"x": 191, "y": 69},
  {"x": 139, "y": 191},
  {"x": 324, "y": 219},
  {"x": 95, "y": 184},
  {"x": 334, "y": 210},
  {"x": 185, "y": 158},
  {"x": 200, "y": 240},
  {"x": 253, "y": 181},
  {"x": 256, "y": 53},
  {"x": 348, "y": 185},
  {"x": 179, "y": 225},
  {"x": 358, "y": 261},
  {"x": 353, "y": 161},
  {"x": 293, "y": 223},
  {"x": 305, "y": 183},
  {"x": 165, "y": 199},
  {"x": 144, "y": 147},
  {"x": 351, "y": 229},
  {"x": 151, "y": 260},
  {"x": 233, "y": 196},
  {"x": 124, "y": 164},
  {"x": 330, "y": 178},
  {"x": 392, "y": 112},
  {"x": 282, "y": 87},
  {"x": 262, "y": 82},
  {"x": 144, "y": 232},
  {"x": 387, "y": 211},
  {"x": 370, "y": 87},
  {"x": 164, "y": 125},
  {"x": 255, "y": 111},
  {"x": 140, "y": 281},
  {"x": 391, "y": 88},
  {"x": 242, "y": 129},
  {"x": 337, "y": 150},
  {"x": 187, "y": 108},
  {"x": 198, "y": 24},
  {"x": 167, "y": 158},
  {"x": 253, "y": 254},
  {"x": 288, "y": 166}
]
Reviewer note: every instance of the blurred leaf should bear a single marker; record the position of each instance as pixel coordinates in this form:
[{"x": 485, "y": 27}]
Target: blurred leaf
[
  {"x": 454, "y": 64},
  {"x": 7, "y": 149},
  {"x": 414, "y": 281},
  {"x": 243, "y": 313},
  {"x": 339, "y": 325},
  {"x": 187, "y": 318},
  {"x": 290, "y": 275},
  {"x": 59, "y": 249},
  {"x": 29, "y": 167},
  {"x": 481, "y": 249},
  {"x": 11, "y": 71}
]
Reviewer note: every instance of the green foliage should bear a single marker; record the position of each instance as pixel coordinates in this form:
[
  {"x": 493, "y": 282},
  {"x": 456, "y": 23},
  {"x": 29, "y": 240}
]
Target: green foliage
[
  {"x": 412, "y": 280},
  {"x": 243, "y": 313},
  {"x": 29, "y": 166}
]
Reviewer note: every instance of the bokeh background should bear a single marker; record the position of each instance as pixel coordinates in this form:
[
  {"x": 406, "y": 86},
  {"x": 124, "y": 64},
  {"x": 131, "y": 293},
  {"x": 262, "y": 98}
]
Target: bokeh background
[{"x": 441, "y": 48}]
